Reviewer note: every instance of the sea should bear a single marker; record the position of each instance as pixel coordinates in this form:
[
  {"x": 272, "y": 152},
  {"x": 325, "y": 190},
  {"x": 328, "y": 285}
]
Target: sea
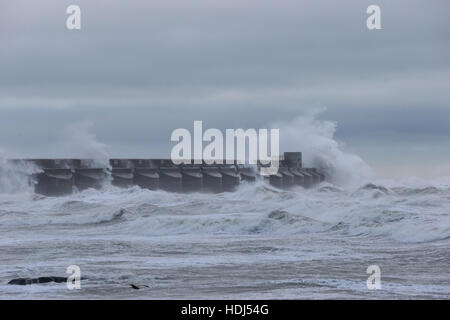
[{"x": 258, "y": 242}]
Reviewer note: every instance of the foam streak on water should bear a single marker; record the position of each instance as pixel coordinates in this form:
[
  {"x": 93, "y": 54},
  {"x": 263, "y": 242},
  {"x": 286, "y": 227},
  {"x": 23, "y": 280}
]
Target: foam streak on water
[{"x": 258, "y": 242}]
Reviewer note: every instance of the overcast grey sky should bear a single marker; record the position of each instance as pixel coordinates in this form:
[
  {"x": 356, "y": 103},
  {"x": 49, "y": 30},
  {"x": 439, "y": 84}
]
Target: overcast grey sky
[{"x": 139, "y": 69}]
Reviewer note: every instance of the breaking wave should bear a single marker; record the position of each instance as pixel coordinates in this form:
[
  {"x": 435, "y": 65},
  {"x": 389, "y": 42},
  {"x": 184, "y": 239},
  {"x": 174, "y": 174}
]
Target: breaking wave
[
  {"x": 354, "y": 204},
  {"x": 315, "y": 138},
  {"x": 404, "y": 215},
  {"x": 15, "y": 176}
]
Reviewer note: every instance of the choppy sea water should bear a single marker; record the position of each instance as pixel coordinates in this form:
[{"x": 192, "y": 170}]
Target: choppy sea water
[{"x": 257, "y": 242}]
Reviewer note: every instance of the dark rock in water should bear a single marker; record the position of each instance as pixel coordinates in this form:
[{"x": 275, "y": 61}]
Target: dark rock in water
[
  {"x": 26, "y": 281},
  {"x": 138, "y": 287}
]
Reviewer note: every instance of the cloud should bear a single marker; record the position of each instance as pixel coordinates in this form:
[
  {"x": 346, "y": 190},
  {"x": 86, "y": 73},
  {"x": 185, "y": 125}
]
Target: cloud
[{"x": 138, "y": 70}]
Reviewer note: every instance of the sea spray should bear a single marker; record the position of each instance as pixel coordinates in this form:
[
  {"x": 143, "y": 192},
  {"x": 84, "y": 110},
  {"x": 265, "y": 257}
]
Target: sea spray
[
  {"x": 15, "y": 176},
  {"x": 78, "y": 141},
  {"x": 315, "y": 138}
]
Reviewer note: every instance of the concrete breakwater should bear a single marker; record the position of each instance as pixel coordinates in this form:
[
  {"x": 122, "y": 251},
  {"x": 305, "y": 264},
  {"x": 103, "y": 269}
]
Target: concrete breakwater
[{"x": 62, "y": 176}]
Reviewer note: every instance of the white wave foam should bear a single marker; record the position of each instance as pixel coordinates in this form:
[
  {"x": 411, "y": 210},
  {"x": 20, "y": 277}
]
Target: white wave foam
[
  {"x": 15, "y": 176},
  {"x": 253, "y": 209},
  {"x": 315, "y": 138},
  {"x": 79, "y": 141}
]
